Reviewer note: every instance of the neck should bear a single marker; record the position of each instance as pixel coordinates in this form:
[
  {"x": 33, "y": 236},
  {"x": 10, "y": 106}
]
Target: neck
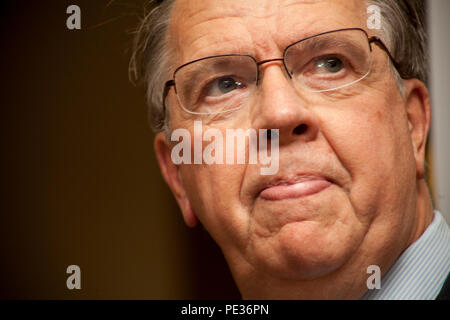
[{"x": 424, "y": 212}]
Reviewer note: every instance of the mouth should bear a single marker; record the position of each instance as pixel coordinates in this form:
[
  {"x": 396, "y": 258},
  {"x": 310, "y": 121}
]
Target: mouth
[{"x": 301, "y": 186}]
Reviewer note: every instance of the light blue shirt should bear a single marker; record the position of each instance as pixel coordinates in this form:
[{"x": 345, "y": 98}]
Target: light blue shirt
[{"x": 421, "y": 270}]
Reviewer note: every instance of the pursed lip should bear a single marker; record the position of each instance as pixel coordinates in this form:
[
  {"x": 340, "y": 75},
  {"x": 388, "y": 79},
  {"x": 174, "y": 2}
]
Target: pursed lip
[{"x": 297, "y": 187}]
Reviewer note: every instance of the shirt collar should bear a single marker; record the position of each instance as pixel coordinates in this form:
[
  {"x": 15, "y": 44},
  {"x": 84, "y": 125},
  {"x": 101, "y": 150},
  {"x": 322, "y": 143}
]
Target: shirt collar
[{"x": 421, "y": 270}]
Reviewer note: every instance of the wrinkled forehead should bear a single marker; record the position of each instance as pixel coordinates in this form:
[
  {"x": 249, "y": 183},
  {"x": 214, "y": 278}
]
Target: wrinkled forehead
[{"x": 262, "y": 28}]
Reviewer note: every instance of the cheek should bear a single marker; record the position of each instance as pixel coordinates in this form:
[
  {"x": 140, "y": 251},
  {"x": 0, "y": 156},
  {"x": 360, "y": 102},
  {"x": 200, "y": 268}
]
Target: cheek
[
  {"x": 214, "y": 194},
  {"x": 360, "y": 137},
  {"x": 370, "y": 141}
]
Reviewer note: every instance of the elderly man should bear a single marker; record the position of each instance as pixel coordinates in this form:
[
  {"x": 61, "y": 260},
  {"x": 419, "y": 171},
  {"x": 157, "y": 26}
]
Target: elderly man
[{"x": 349, "y": 114}]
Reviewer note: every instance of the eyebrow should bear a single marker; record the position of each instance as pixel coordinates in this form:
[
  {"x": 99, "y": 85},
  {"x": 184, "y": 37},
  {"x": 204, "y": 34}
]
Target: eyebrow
[{"x": 317, "y": 43}]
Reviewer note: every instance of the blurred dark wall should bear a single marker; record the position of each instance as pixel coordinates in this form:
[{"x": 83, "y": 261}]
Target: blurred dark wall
[{"x": 80, "y": 181}]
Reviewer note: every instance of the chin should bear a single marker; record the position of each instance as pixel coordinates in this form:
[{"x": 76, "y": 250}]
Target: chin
[{"x": 305, "y": 251}]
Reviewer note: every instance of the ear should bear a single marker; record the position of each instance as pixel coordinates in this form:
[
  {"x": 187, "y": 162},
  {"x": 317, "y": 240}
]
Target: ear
[
  {"x": 171, "y": 173},
  {"x": 418, "y": 110}
]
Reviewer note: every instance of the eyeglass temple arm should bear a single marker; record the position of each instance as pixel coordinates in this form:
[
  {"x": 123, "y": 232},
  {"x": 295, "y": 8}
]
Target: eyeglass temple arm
[
  {"x": 383, "y": 46},
  {"x": 167, "y": 86}
]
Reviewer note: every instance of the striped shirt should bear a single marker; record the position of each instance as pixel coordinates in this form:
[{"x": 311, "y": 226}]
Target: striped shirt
[{"x": 421, "y": 270}]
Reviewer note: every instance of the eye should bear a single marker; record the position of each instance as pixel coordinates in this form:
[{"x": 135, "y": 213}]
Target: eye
[
  {"x": 329, "y": 64},
  {"x": 222, "y": 86}
]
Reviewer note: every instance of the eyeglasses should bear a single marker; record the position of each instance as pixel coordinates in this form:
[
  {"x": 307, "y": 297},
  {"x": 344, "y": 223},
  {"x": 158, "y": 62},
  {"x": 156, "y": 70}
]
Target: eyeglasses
[{"x": 324, "y": 62}]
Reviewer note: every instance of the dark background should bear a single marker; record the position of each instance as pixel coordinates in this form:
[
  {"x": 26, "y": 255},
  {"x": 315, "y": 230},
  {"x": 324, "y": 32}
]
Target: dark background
[{"x": 81, "y": 184}]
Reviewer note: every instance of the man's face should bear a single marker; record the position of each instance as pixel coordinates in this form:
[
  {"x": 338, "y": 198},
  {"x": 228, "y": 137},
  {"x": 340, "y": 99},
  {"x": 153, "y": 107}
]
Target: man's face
[{"x": 346, "y": 163}]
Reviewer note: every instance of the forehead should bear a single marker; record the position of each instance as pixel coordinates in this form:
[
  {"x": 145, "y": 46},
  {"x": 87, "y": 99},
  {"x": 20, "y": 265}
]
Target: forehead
[{"x": 262, "y": 28}]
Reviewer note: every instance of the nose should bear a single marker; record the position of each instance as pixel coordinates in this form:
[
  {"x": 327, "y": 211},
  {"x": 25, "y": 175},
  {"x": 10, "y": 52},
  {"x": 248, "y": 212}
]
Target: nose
[{"x": 281, "y": 106}]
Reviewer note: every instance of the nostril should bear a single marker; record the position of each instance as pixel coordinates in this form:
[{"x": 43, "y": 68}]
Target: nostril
[{"x": 300, "y": 129}]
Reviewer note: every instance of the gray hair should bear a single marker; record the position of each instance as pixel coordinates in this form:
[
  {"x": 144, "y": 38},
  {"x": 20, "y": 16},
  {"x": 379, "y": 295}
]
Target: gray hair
[
  {"x": 403, "y": 31},
  {"x": 149, "y": 63}
]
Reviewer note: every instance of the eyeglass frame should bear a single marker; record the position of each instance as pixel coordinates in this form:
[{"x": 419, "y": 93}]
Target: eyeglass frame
[{"x": 373, "y": 39}]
